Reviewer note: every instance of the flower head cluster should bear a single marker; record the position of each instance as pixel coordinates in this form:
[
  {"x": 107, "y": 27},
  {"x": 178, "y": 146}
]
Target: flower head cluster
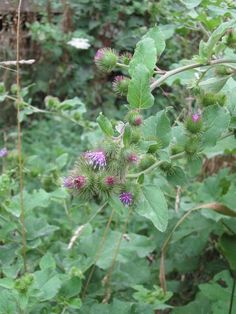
[
  {"x": 96, "y": 158},
  {"x": 194, "y": 123},
  {"x": 126, "y": 198},
  {"x": 106, "y": 59},
  {"x": 3, "y": 152}
]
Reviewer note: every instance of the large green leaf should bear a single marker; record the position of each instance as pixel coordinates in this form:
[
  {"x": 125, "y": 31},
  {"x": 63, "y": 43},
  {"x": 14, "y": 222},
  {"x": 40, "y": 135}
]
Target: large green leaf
[
  {"x": 214, "y": 84},
  {"x": 139, "y": 92},
  {"x": 156, "y": 34},
  {"x": 216, "y": 121},
  {"x": 153, "y": 206},
  {"x": 157, "y": 128},
  {"x": 145, "y": 54}
]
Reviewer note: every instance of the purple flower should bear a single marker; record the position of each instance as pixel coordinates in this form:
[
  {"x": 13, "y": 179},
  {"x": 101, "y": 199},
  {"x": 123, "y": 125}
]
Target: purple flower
[
  {"x": 68, "y": 183},
  {"x": 196, "y": 117},
  {"x": 132, "y": 158},
  {"x": 126, "y": 198},
  {"x": 138, "y": 120},
  {"x": 74, "y": 182},
  {"x": 100, "y": 54},
  {"x": 97, "y": 159},
  {"x": 79, "y": 182},
  {"x": 3, "y": 152},
  {"x": 110, "y": 180}
]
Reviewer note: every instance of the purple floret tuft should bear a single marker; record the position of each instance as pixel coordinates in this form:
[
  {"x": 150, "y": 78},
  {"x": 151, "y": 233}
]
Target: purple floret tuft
[
  {"x": 126, "y": 198},
  {"x": 3, "y": 152},
  {"x": 97, "y": 159}
]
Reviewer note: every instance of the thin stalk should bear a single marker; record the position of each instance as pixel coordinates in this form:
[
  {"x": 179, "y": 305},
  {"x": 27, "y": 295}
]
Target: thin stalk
[
  {"x": 110, "y": 271},
  {"x": 170, "y": 73},
  {"x": 232, "y": 297},
  {"x": 98, "y": 254},
  {"x": 155, "y": 165},
  {"x": 121, "y": 65},
  {"x": 19, "y": 140}
]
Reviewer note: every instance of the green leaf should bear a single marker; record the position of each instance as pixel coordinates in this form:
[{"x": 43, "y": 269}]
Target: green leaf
[
  {"x": 105, "y": 125},
  {"x": 156, "y": 34},
  {"x": 214, "y": 84},
  {"x": 157, "y": 128},
  {"x": 139, "y": 92},
  {"x": 227, "y": 245},
  {"x": 47, "y": 283},
  {"x": 47, "y": 261},
  {"x": 71, "y": 287},
  {"x": 216, "y": 121},
  {"x": 145, "y": 54},
  {"x": 153, "y": 206},
  {"x": 206, "y": 49}
]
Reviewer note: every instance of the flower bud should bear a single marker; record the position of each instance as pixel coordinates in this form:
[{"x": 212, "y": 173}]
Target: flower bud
[
  {"x": 194, "y": 123},
  {"x": 110, "y": 181},
  {"x": 146, "y": 162},
  {"x": 135, "y": 118},
  {"x": 120, "y": 85},
  {"x": 106, "y": 59},
  {"x": 209, "y": 99},
  {"x": 125, "y": 58}
]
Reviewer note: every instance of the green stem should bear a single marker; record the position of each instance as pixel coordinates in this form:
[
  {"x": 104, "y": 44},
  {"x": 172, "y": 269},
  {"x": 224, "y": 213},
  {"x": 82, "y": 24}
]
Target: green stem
[
  {"x": 155, "y": 165},
  {"x": 121, "y": 65},
  {"x": 188, "y": 67}
]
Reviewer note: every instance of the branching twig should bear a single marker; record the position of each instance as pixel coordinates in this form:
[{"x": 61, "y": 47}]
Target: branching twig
[{"x": 170, "y": 73}]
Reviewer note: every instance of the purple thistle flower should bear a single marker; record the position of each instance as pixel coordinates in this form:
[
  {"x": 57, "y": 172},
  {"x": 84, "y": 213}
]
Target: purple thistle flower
[
  {"x": 3, "y": 152},
  {"x": 126, "y": 198},
  {"x": 74, "y": 182},
  {"x": 79, "y": 182},
  {"x": 99, "y": 54},
  {"x": 68, "y": 182},
  {"x": 97, "y": 159},
  {"x": 132, "y": 158},
  {"x": 110, "y": 180},
  {"x": 138, "y": 120},
  {"x": 196, "y": 117}
]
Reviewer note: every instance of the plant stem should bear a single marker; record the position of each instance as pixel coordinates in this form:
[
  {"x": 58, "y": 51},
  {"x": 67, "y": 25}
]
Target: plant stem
[
  {"x": 188, "y": 67},
  {"x": 155, "y": 165},
  {"x": 19, "y": 140},
  {"x": 121, "y": 65}
]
